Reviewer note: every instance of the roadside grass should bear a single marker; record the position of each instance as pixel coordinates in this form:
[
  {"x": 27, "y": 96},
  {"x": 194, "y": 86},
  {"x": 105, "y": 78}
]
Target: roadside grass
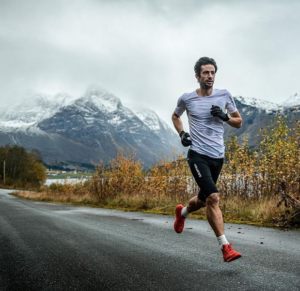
[
  {"x": 256, "y": 211},
  {"x": 58, "y": 197},
  {"x": 20, "y": 188},
  {"x": 235, "y": 209}
]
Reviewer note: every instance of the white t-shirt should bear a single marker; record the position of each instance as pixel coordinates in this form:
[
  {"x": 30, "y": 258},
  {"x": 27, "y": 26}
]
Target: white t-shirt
[{"x": 206, "y": 130}]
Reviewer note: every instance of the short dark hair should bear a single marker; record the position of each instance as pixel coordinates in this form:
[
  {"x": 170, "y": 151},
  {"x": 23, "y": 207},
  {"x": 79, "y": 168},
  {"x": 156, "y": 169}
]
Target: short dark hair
[{"x": 204, "y": 61}]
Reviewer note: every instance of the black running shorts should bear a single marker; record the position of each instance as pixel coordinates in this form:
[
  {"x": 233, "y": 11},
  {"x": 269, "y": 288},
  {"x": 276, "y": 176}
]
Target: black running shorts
[{"x": 206, "y": 172}]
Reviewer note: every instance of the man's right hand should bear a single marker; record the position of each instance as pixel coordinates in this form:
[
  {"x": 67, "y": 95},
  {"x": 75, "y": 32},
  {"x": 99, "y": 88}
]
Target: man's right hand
[{"x": 185, "y": 139}]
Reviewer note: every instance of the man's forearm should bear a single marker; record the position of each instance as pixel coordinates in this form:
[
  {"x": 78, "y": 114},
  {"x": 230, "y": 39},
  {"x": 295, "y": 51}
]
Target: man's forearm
[
  {"x": 177, "y": 123},
  {"x": 235, "y": 122}
]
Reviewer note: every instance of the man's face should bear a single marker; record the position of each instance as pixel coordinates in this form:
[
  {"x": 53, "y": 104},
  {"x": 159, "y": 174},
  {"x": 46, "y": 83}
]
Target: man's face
[{"x": 207, "y": 76}]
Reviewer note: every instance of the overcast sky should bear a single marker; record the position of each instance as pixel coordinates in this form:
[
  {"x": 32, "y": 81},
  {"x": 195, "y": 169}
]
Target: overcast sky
[{"x": 144, "y": 51}]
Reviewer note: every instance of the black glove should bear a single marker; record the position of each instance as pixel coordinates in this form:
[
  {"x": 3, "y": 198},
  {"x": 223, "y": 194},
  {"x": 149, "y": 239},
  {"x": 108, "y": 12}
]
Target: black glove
[
  {"x": 185, "y": 139},
  {"x": 217, "y": 111}
]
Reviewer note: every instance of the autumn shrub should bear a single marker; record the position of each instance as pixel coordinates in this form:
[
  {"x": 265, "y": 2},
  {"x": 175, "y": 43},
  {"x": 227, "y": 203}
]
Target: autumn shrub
[
  {"x": 239, "y": 176},
  {"x": 124, "y": 175},
  {"x": 171, "y": 179},
  {"x": 76, "y": 192},
  {"x": 256, "y": 173}
]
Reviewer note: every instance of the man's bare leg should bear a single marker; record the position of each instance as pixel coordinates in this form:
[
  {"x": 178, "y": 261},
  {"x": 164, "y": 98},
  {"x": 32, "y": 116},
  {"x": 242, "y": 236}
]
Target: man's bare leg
[
  {"x": 195, "y": 204},
  {"x": 214, "y": 214},
  {"x": 215, "y": 219}
]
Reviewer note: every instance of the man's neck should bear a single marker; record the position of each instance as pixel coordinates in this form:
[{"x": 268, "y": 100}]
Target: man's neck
[{"x": 204, "y": 92}]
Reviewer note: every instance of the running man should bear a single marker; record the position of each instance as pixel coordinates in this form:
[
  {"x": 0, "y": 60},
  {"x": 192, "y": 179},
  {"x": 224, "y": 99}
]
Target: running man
[{"x": 205, "y": 109}]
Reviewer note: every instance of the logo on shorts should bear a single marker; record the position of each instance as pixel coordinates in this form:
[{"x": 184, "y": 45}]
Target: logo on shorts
[{"x": 197, "y": 170}]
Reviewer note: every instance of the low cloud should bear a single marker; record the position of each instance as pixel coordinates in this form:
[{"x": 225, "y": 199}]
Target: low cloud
[{"x": 144, "y": 51}]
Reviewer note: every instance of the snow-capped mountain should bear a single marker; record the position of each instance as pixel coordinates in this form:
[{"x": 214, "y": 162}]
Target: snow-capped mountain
[
  {"x": 157, "y": 125},
  {"x": 292, "y": 101},
  {"x": 34, "y": 108},
  {"x": 101, "y": 98},
  {"x": 258, "y": 114},
  {"x": 93, "y": 127},
  {"x": 267, "y": 106},
  {"x": 270, "y": 107}
]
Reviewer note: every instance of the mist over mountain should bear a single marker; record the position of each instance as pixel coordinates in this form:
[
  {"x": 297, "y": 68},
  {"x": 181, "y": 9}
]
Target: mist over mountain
[{"x": 74, "y": 132}]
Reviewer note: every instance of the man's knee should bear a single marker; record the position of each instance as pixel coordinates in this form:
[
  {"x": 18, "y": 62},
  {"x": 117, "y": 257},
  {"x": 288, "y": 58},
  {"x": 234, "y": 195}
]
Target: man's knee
[{"x": 213, "y": 199}]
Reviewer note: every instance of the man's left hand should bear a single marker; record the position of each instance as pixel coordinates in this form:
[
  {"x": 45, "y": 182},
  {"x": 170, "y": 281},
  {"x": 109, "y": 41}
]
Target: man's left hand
[{"x": 217, "y": 111}]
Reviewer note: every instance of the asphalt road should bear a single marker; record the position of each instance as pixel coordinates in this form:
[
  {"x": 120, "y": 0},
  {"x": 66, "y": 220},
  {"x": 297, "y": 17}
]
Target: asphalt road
[{"x": 45, "y": 246}]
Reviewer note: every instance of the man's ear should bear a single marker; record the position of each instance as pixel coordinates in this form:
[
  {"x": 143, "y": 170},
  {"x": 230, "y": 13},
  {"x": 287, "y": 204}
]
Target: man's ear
[{"x": 197, "y": 77}]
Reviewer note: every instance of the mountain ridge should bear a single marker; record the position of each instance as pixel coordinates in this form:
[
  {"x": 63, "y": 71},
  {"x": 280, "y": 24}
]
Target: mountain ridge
[
  {"x": 258, "y": 114},
  {"x": 268, "y": 106},
  {"x": 92, "y": 127}
]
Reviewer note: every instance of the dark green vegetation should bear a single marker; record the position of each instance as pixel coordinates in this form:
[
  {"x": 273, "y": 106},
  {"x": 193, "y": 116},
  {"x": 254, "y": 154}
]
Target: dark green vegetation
[{"x": 20, "y": 168}]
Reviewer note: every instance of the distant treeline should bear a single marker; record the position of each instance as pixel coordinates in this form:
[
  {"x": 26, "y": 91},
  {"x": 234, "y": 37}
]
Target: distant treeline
[{"x": 20, "y": 167}]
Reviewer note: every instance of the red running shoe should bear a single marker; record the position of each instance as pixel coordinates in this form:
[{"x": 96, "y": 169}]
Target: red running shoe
[
  {"x": 179, "y": 221},
  {"x": 229, "y": 253}
]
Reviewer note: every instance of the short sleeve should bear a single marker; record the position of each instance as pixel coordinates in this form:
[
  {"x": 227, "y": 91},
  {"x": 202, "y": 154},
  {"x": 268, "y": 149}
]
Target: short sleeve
[
  {"x": 230, "y": 104},
  {"x": 180, "y": 106}
]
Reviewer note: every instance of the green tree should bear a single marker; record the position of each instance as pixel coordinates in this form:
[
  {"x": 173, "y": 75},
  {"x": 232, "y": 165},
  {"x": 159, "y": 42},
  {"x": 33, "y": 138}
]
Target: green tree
[{"x": 22, "y": 168}]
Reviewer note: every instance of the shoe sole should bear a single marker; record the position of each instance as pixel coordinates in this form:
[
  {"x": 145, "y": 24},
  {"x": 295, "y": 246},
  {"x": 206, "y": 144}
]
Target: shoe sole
[{"x": 232, "y": 259}]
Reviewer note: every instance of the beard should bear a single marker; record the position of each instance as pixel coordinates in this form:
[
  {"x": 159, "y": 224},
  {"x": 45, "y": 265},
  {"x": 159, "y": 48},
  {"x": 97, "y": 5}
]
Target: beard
[{"x": 206, "y": 86}]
